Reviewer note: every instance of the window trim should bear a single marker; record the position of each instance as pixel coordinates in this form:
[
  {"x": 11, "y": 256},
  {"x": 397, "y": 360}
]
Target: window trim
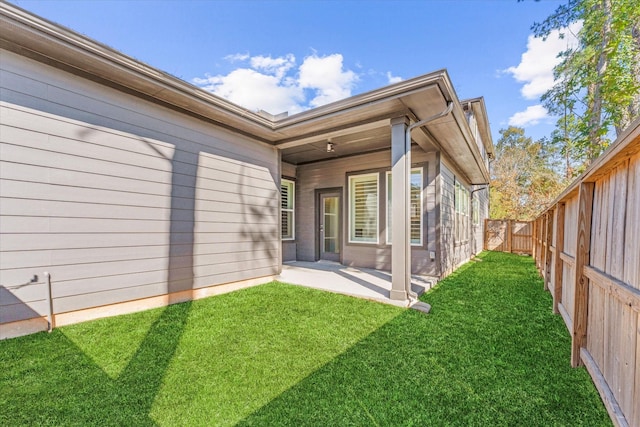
[
  {"x": 475, "y": 211},
  {"x": 292, "y": 209},
  {"x": 461, "y": 209},
  {"x": 350, "y": 216},
  {"x": 388, "y": 174}
]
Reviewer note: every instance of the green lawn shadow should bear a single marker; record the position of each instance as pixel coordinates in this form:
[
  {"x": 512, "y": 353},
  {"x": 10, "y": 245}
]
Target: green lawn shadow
[{"x": 76, "y": 390}]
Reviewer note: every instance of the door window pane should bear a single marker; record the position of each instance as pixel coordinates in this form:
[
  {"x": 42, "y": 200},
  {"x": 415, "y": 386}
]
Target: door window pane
[{"x": 331, "y": 228}]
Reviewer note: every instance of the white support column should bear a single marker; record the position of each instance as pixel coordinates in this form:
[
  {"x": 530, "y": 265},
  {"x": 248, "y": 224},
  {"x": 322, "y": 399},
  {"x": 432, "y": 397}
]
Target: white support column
[{"x": 400, "y": 205}]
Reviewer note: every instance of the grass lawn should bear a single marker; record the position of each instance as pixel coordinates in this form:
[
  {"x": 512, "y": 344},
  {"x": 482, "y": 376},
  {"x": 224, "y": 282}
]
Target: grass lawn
[{"x": 490, "y": 353}]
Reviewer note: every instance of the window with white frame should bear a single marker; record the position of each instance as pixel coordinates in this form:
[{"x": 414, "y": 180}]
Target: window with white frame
[
  {"x": 363, "y": 208},
  {"x": 416, "y": 207},
  {"x": 461, "y": 197},
  {"x": 475, "y": 207},
  {"x": 287, "y": 197}
]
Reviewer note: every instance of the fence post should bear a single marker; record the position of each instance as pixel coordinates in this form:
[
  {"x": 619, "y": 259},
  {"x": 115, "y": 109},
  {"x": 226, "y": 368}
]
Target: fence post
[
  {"x": 548, "y": 242},
  {"x": 485, "y": 243},
  {"x": 583, "y": 243},
  {"x": 544, "y": 250},
  {"x": 538, "y": 242},
  {"x": 542, "y": 253},
  {"x": 558, "y": 264},
  {"x": 534, "y": 236},
  {"x": 509, "y": 235}
]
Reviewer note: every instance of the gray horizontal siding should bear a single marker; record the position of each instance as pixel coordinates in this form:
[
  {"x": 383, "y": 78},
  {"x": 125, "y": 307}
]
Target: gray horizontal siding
[
  {"x": 65, "y": 272},
  {"x": 14, "y": 309},
  {"x": 121, "y": 199},
  {"x": 288, "y": 251},
  {"x": 141, "y": 290},
  {"x": 452, "y": 253},
  {"x": 478, "y": 230},
  {"x": 224, "y": 212},
  {"x": 288, "y": 170},
  {"x": 22, "y": 224},
  {"x": 46, "y": 90},
  {"x": 39, "y": 259},
  {"x": 19, "y": 242},
  {"x": 447, "y": 218},
  {"x": 333, "y": 174}
]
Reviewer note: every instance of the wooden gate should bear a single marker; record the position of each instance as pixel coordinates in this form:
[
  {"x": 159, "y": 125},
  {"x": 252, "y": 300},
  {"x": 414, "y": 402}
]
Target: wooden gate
[{"x": 507, "y": 235}]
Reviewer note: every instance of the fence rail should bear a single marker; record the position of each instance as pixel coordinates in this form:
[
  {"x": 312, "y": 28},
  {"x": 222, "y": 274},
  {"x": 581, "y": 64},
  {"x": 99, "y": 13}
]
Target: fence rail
[
  {"x": 507, "y": 235},
  {"x": 587, "y": 248}
]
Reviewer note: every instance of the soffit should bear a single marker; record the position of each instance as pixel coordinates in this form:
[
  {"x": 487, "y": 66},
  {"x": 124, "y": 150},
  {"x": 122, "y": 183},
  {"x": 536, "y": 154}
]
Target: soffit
[
  {"x": 480, "y": 111},
  {"x": 346, "y": 144},
  {"x": 362, "y": 125}
]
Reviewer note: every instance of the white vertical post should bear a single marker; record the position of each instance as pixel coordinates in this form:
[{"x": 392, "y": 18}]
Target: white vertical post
[{"x": 400, "y": 206}]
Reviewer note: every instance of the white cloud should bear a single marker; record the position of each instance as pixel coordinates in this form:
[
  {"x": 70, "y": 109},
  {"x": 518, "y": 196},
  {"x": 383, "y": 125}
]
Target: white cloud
[
  {"x": 535, "y": 69},
  {"x": 393, "y": 79},
  {"x": 237, "y": 57},
  {"x": 255, "y": 90},
  {"x": 277, "y": 84},
  {"x": 531, "y": 116},
  {"x": 327, "y": 78},
  {"x": 278, "y": 66}
]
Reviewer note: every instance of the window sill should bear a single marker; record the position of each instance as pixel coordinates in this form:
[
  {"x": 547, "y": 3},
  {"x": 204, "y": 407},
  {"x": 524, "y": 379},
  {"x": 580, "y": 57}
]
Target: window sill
[{"x": 365, "y": 244}]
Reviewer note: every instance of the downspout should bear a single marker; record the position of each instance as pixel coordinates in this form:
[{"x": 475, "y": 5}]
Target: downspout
[
  {"x": 478, "y": 189},
  {"x": 410, "y": 293}
]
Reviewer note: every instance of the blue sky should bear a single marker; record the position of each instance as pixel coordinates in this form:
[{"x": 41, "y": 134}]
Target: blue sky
[{"x": 293, "y": 55}]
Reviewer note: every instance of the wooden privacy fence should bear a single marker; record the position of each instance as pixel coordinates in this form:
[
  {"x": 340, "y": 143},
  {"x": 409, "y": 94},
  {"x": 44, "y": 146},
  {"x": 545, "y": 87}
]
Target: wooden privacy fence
[
  {"x": 507, "y": 235},
  {"x": 587, "y": 247}
]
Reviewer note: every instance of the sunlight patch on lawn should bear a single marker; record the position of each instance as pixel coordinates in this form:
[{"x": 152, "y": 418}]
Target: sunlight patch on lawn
[
  {"x": 241, "y": 350},
  {"x": 109, "y": 343}
]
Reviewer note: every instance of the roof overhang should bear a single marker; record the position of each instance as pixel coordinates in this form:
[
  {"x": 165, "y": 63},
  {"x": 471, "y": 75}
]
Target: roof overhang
[
  {"x": 44, "y": 41},
  {"x": 479, "y": 110},
  {"x": 356, "y": 125}
]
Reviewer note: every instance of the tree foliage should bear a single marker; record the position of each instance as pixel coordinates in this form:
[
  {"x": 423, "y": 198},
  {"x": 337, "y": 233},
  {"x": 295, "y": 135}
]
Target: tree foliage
[
  {"x": 597, "y": 89},
  {"x": 523, "y": 176}
]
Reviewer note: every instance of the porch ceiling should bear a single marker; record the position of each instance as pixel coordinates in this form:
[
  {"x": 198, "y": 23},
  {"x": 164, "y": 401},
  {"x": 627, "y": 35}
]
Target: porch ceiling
[
  {"x": 344, "y": 143},
  {"x": 361, "y": 125}
]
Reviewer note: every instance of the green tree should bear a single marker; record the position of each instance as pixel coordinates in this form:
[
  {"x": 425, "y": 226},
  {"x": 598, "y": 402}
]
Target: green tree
[
  {"x": 597, "y": 89},
  {"x": 524, "y": 179},
  {"x": 565, "y": 139}
]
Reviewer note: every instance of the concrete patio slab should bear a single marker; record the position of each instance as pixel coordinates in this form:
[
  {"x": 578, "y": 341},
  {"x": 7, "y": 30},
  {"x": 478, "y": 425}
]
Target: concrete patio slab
[{"x": 357, "y": 282}]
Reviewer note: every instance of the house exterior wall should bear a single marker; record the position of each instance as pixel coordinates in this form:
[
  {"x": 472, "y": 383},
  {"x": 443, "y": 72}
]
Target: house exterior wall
[
  {"x": 333, "y": 174},
  {"x": 482, "y": 198},
  {"x": 454, "y": 252},
  {"x": 121, "y": 199},
  {"x": 447, "y": 215}
]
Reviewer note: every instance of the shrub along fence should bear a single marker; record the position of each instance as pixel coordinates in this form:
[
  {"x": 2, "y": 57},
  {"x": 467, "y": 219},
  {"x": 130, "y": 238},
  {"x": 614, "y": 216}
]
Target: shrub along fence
[
  {"x": 587, "y": 248},
  {"x": 507, "y": 235}
]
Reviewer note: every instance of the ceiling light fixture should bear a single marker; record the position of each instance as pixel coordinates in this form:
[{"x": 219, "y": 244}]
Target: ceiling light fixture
[{"x": 330, "y": 147}]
